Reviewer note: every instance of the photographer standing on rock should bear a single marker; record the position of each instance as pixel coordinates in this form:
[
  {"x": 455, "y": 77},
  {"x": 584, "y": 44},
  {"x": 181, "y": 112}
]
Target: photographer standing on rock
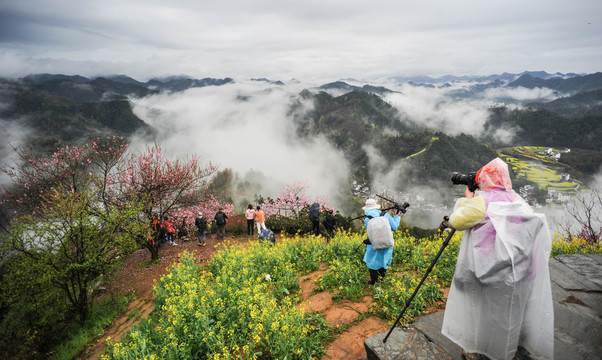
[
  {"x": 378, "y": 259},
  {"x": 500, "y": 297}
]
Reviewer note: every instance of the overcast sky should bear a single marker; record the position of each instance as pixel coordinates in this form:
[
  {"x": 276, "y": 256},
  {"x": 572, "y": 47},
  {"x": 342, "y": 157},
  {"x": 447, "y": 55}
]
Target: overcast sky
[{"x": 309, "y": 40}]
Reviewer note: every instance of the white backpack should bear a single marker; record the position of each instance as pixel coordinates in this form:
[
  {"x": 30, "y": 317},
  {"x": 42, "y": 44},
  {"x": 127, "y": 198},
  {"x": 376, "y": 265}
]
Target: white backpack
[{"x": 379, "y": 233}]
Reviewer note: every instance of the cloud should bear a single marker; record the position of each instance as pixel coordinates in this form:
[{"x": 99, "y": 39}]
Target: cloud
[
  {"x": 441, "y": 109},
  {"x": 520, "y": 94},
  {"x": 310, "y": 40},
  {"x": 505, "y": 134},
  {"x": 245, "y": 127},
  {"x": 433, "y": 108},
  {"x": 15, "y": 136}
]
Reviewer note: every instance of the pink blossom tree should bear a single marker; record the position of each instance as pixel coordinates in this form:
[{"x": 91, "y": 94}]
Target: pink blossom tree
[
  {"x": 35, "y": 180},
  {"x": 292, "y": 200},
  {"x": 166, "y": 186}
]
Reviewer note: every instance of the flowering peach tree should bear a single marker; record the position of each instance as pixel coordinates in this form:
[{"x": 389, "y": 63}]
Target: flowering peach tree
[
  {"x": 37, "y": 179},
  {"x": 292, "y": 200},
  {"x": 165, "y": 186},
  {"x": 289, "y": 211},
  {"x": 62, "y": 220}
]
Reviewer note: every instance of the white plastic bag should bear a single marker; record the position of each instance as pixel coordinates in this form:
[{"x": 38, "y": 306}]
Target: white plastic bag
[{"x": 379, "y": 233}]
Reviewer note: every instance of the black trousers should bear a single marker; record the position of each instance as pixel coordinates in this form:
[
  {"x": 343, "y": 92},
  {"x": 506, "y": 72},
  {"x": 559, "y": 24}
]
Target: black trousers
[
  {"x": 250, "y": 226},
  {"x": 377, "y": 275},
  {"x": 316, "y": 227}
]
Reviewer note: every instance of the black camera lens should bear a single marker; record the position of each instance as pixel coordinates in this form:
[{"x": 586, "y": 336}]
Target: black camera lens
[{"x": 465, "y": 179}]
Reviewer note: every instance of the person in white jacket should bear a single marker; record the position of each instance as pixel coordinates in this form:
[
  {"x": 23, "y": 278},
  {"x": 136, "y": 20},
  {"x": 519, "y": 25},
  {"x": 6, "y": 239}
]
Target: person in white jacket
[{"x": 500, "y": 297}]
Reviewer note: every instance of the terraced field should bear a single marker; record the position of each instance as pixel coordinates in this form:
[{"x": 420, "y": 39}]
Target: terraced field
[{"x": 526, "y": 161}]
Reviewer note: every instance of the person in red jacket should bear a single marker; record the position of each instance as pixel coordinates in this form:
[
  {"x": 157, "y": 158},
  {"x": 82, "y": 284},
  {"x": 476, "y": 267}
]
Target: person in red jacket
[{"x": 170, "y": 230}]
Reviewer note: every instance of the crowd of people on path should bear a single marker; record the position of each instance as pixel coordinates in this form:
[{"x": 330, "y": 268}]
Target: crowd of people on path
[{"x": 164, "y": 230}]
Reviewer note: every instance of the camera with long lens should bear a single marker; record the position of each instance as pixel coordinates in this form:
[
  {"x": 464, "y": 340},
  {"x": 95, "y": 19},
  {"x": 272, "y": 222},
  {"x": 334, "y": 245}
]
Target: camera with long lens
[
  {"x": 465, "y": 179},
  {"x": 402, "y": 207}
]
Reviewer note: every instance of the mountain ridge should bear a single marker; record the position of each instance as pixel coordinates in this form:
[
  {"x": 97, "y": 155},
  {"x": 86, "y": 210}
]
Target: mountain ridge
[{"x": 356, "y": 120}]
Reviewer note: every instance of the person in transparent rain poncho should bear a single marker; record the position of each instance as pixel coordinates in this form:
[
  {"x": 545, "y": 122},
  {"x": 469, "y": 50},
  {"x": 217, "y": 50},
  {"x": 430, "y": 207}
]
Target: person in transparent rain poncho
[{"x": 500, "y": 297}]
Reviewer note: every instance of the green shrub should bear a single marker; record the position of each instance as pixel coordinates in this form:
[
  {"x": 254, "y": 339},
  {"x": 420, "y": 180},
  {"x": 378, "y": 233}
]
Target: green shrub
[
  {"x": 298, "y": 224},
  {"x": 35, "y": 315}
]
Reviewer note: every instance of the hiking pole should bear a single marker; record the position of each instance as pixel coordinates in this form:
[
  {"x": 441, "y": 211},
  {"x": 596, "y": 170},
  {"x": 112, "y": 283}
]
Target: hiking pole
[
  {"x": 357, "y": 248},
  {"x": 443, "y": 246}
]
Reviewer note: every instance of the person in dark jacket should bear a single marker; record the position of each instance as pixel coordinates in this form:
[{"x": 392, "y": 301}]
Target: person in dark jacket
[
  {"x": 183, "y": 231},
  {"x": 314, "y": 217},
  {"x": 330, "y": 223},
  {"x": 220, "y": 219},
  {"x": 201, "y": 224}
]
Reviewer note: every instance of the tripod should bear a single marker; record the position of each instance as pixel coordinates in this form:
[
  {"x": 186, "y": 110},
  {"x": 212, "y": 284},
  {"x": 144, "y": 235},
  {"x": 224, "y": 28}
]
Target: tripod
[{"x": 443, "y": 246}]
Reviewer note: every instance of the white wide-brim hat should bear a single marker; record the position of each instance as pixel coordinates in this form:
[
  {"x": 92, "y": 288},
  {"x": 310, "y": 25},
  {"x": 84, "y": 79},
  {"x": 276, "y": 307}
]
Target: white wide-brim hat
[{"x": 371, "y": 204}]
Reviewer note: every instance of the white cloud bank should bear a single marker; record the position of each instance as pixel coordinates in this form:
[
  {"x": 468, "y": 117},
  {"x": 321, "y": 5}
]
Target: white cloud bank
[{"x": 244, "y": 126}]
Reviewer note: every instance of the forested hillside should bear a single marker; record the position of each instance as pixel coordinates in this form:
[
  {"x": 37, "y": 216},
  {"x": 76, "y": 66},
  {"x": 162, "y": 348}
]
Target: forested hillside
[
  {"x": 51, "y": 114},
  {"x": 547, "y": 128},
  {"x": 586, "y": 103},
  {"x": 573, "y": 84},
  {"x": 360, "y": 118}
]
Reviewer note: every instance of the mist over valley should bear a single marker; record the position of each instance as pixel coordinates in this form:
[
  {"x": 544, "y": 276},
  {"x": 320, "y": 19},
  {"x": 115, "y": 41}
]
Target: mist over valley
[{"x": 347, "y": 140}]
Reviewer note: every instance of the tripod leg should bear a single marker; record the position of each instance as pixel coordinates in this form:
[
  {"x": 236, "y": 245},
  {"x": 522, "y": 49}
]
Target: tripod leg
[{"x": 428, "y": 271}]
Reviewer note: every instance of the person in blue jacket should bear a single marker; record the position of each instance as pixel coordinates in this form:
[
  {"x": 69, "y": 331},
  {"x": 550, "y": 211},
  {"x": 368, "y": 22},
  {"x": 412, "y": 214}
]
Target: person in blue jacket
[{"x": 378, "y": 261}]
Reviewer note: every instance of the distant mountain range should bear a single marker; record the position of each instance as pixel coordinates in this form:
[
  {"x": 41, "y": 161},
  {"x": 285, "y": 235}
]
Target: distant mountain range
[
  {"x": 68, "y": 108},
  {"x": 506, "y": 77},
  {"x": 120, "y": 87},
  {"x": 117, "y": 85}
]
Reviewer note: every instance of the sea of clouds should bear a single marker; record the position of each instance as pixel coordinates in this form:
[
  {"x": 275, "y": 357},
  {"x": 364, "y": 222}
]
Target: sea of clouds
[{"x": 246, "y": 126}]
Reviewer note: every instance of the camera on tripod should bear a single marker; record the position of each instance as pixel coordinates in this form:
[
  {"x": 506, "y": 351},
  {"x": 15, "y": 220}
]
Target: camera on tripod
[
  {"x": 465, "y": 179},
  {"x": 402, "y": 207}
]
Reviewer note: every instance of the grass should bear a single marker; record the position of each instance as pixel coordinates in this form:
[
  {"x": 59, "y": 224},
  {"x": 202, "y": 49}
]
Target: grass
[
  {"x": 104, "y": 314},
  {"x": 150, "y": 261}
]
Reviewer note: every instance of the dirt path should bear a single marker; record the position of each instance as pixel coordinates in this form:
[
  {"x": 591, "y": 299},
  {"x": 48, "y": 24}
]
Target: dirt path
[{"x": 134, "y": 278}]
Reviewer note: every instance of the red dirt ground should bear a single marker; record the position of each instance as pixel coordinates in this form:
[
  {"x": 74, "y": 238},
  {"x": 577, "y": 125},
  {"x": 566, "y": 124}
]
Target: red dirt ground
[{"x": 133, "y": 278}]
